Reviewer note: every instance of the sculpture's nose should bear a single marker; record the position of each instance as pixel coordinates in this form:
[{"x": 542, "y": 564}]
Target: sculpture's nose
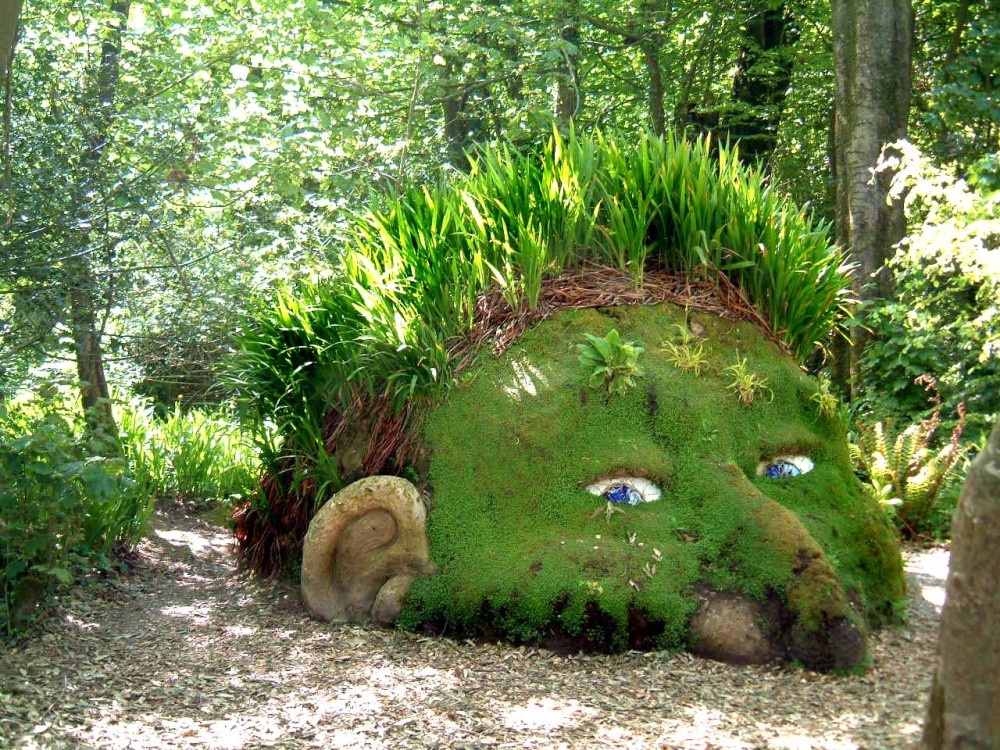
[{"x": 819, "y": 627}]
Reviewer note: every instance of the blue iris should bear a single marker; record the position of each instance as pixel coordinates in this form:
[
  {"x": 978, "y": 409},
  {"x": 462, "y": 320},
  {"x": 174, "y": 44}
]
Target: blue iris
[
  {"x": 781, "y": 469},
  {"x": 623, "y": 494}
]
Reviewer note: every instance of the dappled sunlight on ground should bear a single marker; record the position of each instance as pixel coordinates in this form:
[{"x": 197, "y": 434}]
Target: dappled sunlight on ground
[
  {"x": 928, "y": 575},
  {"x": 199, "y": 613},
  {"x": 933, "y": 594},
  {"x": 524, "y": 380},
  {"x": 189, "y": 653},
  {"x": 546, "y": 714},
  {"x": 197, "y": 543}
]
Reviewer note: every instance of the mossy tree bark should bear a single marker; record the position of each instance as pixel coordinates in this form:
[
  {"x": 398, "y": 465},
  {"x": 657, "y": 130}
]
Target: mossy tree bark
[
  {"x": 872, "y": 41},
  {"x": 567, "y": 82},
  {"x": 964, "y": 709},
  {"x": 10, "y": 17},
  {"x": 651, "y": 45},
  {"x": 94, "y": 392}
]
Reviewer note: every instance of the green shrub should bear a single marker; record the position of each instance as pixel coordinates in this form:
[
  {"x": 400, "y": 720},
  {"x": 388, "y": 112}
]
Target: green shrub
[
  {"x": 191, "y": 454},
  {"x": 945, "y": 318},
  {"x": 66, "y": 499}
]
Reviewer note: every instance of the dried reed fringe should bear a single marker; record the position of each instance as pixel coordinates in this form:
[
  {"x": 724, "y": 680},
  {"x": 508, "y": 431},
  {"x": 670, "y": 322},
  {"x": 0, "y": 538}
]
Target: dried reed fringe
[{"x": 497, "y": 325}]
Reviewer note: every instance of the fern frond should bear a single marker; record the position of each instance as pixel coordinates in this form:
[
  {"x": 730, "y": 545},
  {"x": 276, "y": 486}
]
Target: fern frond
[{"x": 903, "y": 469}]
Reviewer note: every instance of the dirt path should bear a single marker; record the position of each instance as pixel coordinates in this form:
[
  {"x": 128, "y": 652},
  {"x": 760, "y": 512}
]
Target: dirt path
[{"x": 189, "y": 653}]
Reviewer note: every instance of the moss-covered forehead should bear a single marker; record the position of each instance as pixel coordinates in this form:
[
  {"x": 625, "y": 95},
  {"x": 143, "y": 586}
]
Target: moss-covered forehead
[
  {"x": 515, "y": 531},
  {"x": 538, "y": 392}
]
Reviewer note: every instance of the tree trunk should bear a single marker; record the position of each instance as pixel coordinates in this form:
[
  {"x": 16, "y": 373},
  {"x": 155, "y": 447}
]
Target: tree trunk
[
  {"x": 94, "y": 393},
  {"x": 567, "y": 83},
  {"x": 84, "y": 296},
  {"x": 657, "y": 110},
  {"x": 455, "y": 128},
  {"x": 955, "y": 41},
  {"x": 651, "y": 45},
  {"x": 763, "y": 74},
  {"x": 964, "y": 708},
  {"x": 10, "y": 18},
  {"x": 872, "y": 41}
]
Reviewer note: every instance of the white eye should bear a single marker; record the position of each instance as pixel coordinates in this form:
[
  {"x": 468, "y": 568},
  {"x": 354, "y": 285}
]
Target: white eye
[
  {"x": 625, "y": 490},
  {"x": 780, "y": 467}
]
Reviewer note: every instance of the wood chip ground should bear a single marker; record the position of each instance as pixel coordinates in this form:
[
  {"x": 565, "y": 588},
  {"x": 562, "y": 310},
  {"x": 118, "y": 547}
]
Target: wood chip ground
[{"x": 187, "y": 652}]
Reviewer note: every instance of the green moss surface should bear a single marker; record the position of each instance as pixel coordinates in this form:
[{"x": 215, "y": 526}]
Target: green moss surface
[{"x": 527, "y": 554}]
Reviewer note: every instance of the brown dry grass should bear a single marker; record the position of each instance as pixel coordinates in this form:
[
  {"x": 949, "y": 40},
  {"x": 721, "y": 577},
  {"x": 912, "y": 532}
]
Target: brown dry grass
[
  {"x": 189, "y": 653},
  {"x": 497, "y": 325}
]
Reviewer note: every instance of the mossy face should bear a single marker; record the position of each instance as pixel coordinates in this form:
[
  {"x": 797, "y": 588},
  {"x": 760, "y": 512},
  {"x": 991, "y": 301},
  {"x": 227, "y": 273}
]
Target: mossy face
[{"x": 526, "y": 553}]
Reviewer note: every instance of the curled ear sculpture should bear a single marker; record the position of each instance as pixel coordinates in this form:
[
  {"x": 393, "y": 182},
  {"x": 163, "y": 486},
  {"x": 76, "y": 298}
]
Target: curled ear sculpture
[{"x": 363, "y": 548}]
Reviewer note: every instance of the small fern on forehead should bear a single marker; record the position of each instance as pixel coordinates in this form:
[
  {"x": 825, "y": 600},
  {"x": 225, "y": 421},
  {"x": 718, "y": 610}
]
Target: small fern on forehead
[
  {"x": 825, "y": 399},
  {"x": 686, "y": 355},
  {"x": 746, "y": 384}
]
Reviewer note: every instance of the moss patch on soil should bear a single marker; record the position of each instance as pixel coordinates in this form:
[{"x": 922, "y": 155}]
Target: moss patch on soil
[{"x": 525, "y": 553}]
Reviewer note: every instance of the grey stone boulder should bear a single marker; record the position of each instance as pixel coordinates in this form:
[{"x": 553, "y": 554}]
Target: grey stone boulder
[{"x": 733, "y": 628}]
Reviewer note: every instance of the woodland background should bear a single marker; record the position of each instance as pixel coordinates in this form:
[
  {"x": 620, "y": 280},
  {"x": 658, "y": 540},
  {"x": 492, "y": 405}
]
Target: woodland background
[{"x": 169, "y": 165}]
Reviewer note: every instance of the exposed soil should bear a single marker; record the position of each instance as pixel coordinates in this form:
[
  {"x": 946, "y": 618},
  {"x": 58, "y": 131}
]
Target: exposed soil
[{"x": 187, "y": 652}]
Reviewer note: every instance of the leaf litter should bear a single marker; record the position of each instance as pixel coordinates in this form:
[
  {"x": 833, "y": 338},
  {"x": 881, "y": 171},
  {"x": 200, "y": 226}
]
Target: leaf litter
[{"x": 190, "y": 652}]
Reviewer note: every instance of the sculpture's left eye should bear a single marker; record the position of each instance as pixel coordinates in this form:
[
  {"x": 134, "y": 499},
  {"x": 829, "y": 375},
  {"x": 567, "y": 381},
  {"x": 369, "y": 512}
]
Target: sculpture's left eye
[
  {"x": 625, "y": 490},
  {"x": 780, "y": 467}
]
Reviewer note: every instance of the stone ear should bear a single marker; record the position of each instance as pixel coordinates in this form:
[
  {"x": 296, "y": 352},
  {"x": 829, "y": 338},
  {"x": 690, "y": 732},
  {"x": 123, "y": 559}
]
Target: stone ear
[{"x": 362, "y": 550}]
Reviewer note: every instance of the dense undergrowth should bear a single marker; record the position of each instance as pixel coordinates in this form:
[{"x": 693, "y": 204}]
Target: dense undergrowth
[
  {"x": 65, "y": 500},
  {"x": 73, "y": 500},
  {"x": 926, "y": 392},
  {"x": 944, "y": 321}
]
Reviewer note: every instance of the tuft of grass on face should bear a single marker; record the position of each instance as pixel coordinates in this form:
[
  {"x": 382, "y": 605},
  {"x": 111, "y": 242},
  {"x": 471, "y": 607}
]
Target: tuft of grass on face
[
  {"x": 827, "y": 403},
  {"x": 686, "y": 355},
  {"x": 746, "y": 384}
]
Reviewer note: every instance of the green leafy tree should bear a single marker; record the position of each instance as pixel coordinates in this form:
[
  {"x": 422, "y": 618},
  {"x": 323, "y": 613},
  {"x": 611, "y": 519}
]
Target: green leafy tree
[{"x": 957, "y": 77}]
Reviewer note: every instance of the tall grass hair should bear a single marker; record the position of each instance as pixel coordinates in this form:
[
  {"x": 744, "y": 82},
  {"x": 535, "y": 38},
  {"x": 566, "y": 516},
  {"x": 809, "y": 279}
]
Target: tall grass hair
[{"x": 408, "y": 280}]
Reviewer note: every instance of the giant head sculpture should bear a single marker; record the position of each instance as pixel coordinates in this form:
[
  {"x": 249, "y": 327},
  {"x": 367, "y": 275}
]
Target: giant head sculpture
[{"x": 709, "y": 505}]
